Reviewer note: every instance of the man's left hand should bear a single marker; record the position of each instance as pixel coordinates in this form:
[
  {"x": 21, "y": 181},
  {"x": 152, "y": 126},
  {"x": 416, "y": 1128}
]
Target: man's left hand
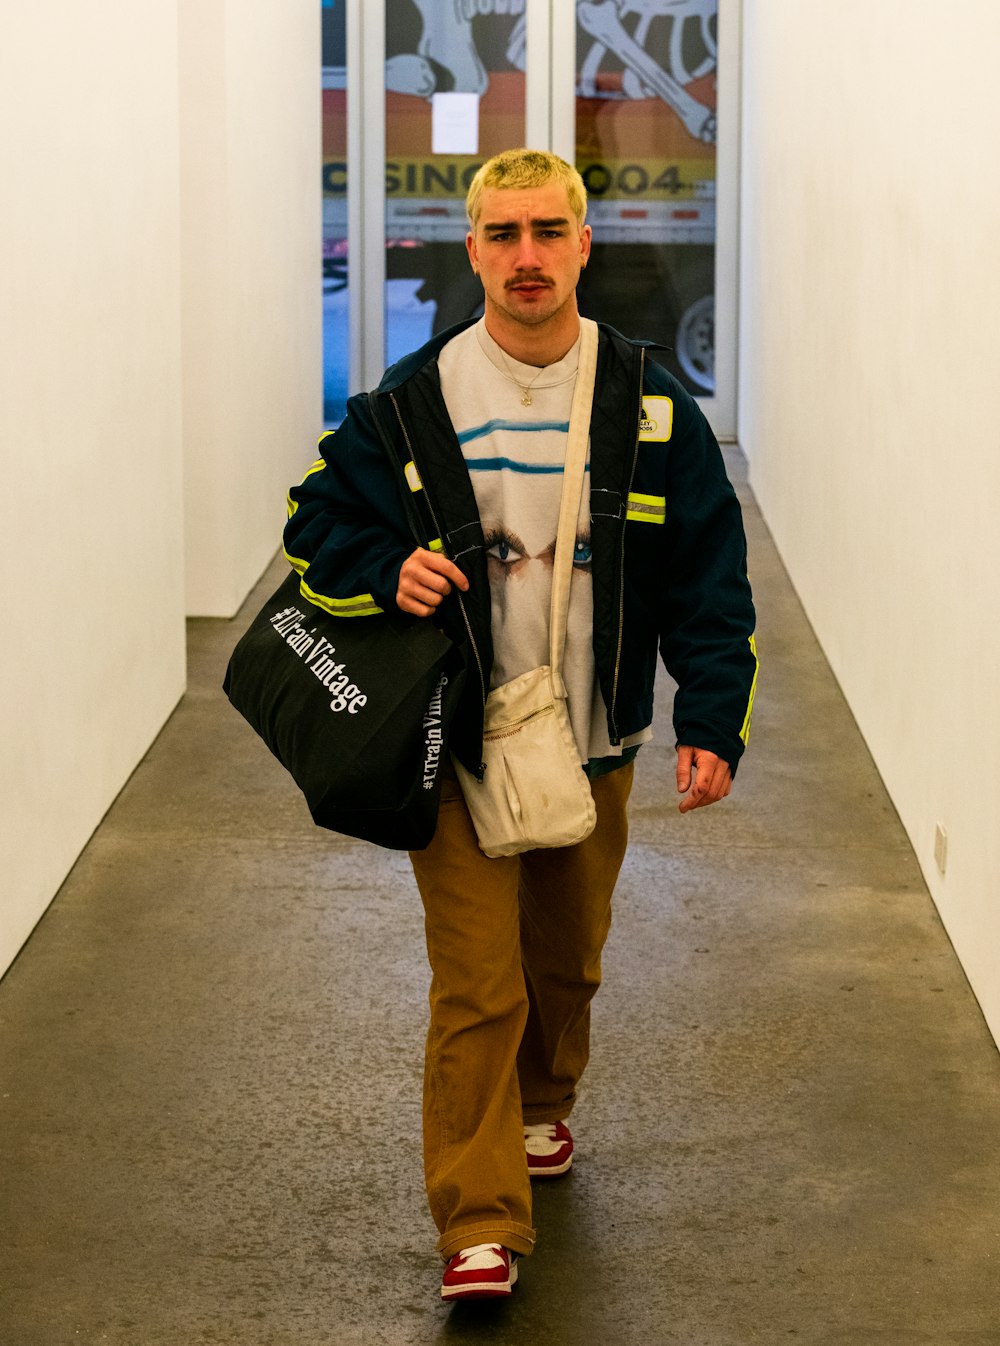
[{"x": 702, "y": 777}]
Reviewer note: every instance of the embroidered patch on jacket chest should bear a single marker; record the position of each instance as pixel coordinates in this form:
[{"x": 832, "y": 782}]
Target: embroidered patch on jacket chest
[{"x": 657, "y": 420}]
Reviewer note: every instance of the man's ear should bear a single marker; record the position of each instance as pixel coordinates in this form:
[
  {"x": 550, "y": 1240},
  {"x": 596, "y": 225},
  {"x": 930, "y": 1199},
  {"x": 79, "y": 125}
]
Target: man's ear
[
  {"x": 470, "y": 248},
  {"x": 585, "y": 236}
]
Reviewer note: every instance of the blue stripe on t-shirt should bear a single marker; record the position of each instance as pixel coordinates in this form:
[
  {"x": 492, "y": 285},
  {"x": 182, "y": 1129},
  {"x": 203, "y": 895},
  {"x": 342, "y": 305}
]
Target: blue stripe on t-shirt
[
  {"x": 512, "y": 465},
  {"x": 529, "y": 427}
]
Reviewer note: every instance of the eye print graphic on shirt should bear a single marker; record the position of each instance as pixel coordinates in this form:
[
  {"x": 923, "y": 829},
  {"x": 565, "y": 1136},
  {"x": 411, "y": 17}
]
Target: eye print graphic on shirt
[
  {"x": 582, "y": 554},
  {"x": 506, "y": 554}
]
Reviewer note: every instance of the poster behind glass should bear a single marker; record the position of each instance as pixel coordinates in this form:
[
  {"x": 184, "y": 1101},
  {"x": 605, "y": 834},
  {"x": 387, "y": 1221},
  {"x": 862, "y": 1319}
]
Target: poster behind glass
[
  {"x": 645, "y": 132},
  {"x": 471, "y": 47},
  {"x": 336, "y": 351}
]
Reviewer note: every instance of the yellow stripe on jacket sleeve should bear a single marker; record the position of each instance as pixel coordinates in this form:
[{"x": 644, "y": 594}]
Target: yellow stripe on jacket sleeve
[
  {"x": 745, "y": 731},
  {"x": 293, "y": 505},
  {"x": 646, "y": 508},
  {"x": 296, "y": 563},
  {"x": 358, "y": 605}
]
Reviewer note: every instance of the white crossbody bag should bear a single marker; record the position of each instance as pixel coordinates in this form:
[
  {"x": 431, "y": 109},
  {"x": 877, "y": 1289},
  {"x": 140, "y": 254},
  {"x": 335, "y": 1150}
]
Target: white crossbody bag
[{"x": 535, "y": 793}]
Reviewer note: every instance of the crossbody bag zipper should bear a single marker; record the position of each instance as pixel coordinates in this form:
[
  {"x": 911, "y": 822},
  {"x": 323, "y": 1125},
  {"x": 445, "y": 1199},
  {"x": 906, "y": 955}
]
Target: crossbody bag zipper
[{"x": 512, "y": 727}]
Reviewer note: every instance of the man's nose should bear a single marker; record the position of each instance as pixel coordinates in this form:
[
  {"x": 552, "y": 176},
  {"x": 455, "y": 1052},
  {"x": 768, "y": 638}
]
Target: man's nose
[{"x": 527, "y": 252}]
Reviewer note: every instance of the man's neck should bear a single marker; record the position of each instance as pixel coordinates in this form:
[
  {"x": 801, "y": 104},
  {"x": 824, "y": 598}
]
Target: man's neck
[{"x": 541, "y": 345}]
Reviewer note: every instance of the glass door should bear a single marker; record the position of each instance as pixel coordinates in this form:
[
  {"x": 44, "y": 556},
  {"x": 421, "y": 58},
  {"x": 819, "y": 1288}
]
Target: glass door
[
  {"x": 336, "y": 318},
  {"x": 649, "y": 114},
  {"x": 641, "y": 94},
  {"x": 455, "y": 94}
]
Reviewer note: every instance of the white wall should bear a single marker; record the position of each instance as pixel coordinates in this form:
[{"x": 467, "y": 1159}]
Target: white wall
[
  {"x": 147, "y": 334},
  {"x": 870, "y": 402},
  {"x": 91, "y": 578},
  {"x": 252, "y": 248}
]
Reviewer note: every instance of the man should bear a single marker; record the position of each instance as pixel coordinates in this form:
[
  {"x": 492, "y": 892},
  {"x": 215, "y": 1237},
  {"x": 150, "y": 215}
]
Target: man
[{"x": 515, "y": 943}]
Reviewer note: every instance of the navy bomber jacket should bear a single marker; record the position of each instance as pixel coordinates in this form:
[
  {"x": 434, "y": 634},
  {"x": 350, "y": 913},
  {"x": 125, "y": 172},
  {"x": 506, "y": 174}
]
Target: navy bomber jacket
[{"x": 668, "y": 550}]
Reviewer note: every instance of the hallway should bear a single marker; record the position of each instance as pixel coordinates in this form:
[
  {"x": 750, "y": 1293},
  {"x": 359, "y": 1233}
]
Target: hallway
[{"x": 210, "y": 1060}]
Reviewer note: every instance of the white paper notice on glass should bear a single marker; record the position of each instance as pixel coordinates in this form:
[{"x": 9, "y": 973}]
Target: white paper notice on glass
[{"x": 455, "y": 123}]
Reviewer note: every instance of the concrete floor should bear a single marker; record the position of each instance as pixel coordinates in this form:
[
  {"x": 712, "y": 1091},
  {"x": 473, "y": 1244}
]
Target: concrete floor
[{"x": 210, "y": 1057}]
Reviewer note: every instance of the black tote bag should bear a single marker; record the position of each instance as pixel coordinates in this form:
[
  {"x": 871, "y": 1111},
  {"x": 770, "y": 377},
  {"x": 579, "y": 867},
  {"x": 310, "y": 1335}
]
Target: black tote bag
[{"x": 357, "y": 709}]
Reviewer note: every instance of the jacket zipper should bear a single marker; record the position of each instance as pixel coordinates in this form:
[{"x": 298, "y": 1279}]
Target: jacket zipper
[
  {"x": 616, "y": 739},
  {"x": 458, "y": 592}
]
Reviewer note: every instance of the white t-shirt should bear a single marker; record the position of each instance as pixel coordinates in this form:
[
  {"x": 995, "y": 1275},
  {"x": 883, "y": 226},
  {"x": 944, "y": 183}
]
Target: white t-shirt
[{"x": 515, "y": 455}]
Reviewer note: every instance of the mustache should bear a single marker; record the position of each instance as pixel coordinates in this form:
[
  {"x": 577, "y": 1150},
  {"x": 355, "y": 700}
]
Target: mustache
[{"x": 529, "y": 277}]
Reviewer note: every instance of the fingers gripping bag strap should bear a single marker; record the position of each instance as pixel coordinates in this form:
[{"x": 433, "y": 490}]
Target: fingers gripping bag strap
[{"x": 534, "y": 793}]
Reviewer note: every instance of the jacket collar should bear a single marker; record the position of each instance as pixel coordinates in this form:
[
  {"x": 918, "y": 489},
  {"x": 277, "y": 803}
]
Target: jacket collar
[{"x": 405, "y": 368}]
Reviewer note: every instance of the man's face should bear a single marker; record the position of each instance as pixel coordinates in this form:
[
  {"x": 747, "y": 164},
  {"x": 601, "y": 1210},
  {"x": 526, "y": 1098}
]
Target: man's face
[{"x": 528, "y": 250}]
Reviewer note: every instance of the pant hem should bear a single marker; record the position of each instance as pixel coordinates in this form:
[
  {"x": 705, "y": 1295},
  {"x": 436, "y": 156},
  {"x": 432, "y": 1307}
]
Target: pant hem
[
  {"x": 519, "y": 1238},
  {"x": 542, "y": 1116}
]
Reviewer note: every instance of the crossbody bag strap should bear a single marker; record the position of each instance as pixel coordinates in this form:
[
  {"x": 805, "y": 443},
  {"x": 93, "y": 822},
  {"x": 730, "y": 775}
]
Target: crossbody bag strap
[{"x": 572, "y": 489}]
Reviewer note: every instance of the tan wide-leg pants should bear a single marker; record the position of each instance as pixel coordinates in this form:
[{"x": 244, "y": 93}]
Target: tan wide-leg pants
[{"x": 515, "y": 953}]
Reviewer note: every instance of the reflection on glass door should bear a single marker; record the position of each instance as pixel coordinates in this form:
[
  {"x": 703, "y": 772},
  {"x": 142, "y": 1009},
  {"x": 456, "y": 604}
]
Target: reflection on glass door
[
  {"x": 440, "y": 85},
  {"x": 336, "y": 360},
  {"x": 645, "y": 146},
  {"x": 455, "y": 94}
]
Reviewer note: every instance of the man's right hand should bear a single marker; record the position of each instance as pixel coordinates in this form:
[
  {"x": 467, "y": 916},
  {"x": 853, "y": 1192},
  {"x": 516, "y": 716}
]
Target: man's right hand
[{"x": 425, "y": 579}]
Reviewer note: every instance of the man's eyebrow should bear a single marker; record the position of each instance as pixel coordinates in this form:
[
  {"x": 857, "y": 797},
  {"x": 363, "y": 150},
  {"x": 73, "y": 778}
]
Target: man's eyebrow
[{"x": 556, "y": 223}]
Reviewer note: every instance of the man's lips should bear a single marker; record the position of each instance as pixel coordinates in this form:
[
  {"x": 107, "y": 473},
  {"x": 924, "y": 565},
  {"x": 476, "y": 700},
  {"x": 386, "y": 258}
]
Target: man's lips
[{"x": 529, "y": 287}]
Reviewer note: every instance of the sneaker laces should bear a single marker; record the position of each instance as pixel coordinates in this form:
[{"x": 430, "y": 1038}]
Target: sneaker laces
[
  {"x": 482, "y": 1257},
  {"x": 540, "y": 1138}
]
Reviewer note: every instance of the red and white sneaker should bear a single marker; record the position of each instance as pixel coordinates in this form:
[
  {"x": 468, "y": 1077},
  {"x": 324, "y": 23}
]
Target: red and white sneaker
[
  {"x": 549, "y": 1147},
  {"x": 485, "y": 1271}
]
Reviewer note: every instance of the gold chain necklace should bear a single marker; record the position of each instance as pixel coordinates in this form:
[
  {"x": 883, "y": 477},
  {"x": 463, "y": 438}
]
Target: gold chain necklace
[{"x": 525, "y": 388}]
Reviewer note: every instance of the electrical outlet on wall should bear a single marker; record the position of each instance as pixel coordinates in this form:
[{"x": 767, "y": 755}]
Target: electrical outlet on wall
[{"x": 941, "y": 847}]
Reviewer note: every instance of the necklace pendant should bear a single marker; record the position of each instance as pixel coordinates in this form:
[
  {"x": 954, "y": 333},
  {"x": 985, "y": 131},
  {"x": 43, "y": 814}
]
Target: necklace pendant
[{"x": 525, "y": 398}]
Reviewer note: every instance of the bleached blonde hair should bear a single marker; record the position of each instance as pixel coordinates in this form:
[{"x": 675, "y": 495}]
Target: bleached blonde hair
[{"x": 526, "y": 168}]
